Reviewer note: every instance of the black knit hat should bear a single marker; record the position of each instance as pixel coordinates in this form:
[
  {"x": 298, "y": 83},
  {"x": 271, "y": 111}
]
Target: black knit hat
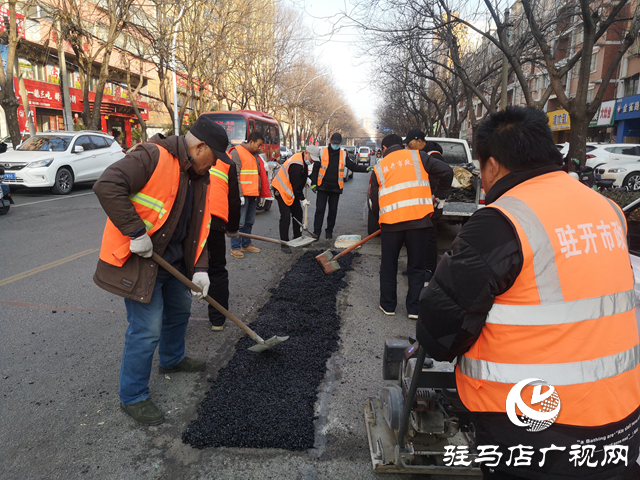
[
  {"x": 208, "y": 131},
  {"x": 336, "y": 138}
]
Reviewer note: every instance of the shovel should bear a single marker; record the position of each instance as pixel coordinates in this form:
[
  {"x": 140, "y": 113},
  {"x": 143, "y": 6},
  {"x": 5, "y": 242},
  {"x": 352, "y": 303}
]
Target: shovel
[
  {"x": 304, "y": 227},
  {"x": 261, "y": 344},
  {"x": 329, "y": 263},
  {"x": 296, "y": 242}
]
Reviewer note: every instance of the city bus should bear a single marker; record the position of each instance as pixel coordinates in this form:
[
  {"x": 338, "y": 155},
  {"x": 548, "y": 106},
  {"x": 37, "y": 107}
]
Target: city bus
[{"x": 240, "y": 123}]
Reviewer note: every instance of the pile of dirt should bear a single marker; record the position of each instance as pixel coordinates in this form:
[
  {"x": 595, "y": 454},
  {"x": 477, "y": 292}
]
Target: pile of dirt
[{"x": 266, "y": 400}]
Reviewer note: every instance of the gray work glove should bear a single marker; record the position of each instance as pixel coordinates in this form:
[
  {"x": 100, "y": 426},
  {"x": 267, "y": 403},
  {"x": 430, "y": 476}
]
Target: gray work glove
[
  {"x": 241, "y": 201},
  {"x": 305, "y": 202},
  {"x": 437, "y": 203},
  {"x": 141, "y": 245},
  {"x": 201, "y": 279},
  {"x": 232, "y": 234}
]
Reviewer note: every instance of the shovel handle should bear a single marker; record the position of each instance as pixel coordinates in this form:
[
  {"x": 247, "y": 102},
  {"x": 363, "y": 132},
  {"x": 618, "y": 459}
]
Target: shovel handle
[
  {"x": 164, "y": 264},
  {"x": 264, "y": 239},
  {"x": 306, "y": 207},
  {"x": 356, "y": 245}
]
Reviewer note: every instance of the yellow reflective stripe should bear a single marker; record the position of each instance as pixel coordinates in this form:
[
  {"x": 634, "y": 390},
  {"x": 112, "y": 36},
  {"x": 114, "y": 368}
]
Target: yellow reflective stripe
[
  {"x": 249, "y": 172},
  {"x": 148, "y": 225},
  {"x": 149, "y": 202},
  {"x": 219, "y": 174}
]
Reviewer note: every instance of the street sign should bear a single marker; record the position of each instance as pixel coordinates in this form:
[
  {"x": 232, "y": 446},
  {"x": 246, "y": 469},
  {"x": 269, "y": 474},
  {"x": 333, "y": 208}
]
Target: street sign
[{"x": 385, "y": 129}]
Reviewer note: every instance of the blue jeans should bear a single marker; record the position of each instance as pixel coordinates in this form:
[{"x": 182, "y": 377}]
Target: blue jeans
[
  {"x": 247, "y": 217},
  {"x": 164, "y": 321}
]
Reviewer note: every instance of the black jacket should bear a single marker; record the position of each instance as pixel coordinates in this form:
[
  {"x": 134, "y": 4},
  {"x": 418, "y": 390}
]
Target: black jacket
[
  {"x": 234, "y": 203},
  {"x": 437, "y": 169},
  {"x": 485, "y": 259},
  {"x": 330, "y": 180},
  {"x": 298, "y": 176}
]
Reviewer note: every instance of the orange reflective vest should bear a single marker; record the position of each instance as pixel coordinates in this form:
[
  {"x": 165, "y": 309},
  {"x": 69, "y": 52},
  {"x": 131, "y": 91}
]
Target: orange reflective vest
[
  {"x": 324, "y": 164},
  {"x": 282, "y": 182},
  {"x": 249, "y": 177},
  {"x": 405, "y": 192},
  {"x": 153, "y": 204},
  {"x": 569, "y": 319},
  {"x": 219, "y": 190}
]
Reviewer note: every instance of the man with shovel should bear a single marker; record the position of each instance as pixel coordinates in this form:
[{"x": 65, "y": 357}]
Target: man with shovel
[
  {"x": 289, "y": 185},
  {"x": 157, "y": 201}
]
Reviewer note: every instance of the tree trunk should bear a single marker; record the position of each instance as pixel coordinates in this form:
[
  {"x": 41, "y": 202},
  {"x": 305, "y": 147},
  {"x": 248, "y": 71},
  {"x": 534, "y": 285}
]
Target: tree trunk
[
  {"x": 10, "y": 106},
  {"x": 578, "y": 134}
]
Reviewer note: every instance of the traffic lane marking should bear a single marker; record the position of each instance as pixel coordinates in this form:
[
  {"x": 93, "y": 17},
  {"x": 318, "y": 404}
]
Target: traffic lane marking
[
  {"x": 50, "y": 200},
  {"x": 43, "y": 268}
]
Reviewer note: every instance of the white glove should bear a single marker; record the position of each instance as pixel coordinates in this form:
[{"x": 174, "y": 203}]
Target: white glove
[
  {"x": 141, "y": 245},
  {"x": 437, "y": 203},
  {"x": 201, "y": 279},
  {"x": 305, "y": 202},
  {"x": 241, "y": 201},
  {"x": 308, "y": 182}
]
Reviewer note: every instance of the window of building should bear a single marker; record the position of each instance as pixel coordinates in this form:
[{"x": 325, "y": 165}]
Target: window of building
[
  {"x": 631, "y": 85},
  {"x": 590, "y": 95},
  {"x": 594, "y": 62},
  {"x": 579, "y": 36}
]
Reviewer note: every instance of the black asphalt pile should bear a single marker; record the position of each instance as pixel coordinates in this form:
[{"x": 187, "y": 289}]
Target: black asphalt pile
[
  {"x": 266, "y": 400},
  {"x": 466, "y": 195}
]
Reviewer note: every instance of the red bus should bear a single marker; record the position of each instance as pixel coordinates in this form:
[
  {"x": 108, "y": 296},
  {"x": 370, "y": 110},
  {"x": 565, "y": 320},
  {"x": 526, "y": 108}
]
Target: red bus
[{"x": 240, "y": 123}]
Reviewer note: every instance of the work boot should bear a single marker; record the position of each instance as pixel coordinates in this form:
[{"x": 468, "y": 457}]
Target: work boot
[
  {"x": 385, "y": 312},
  {"x": 285, "y": 249},
  {"x": 186, "y": 365},
  {"x": 251, "y": 248},
  {"x": 328, "y": 234},
  {"x": 144, "y": 412},
  {"x": 237, "y": 253},
  {"x": 217, "y": 328}
]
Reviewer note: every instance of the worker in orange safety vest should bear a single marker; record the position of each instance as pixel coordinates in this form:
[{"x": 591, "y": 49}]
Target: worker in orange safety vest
[
  {"x": 248, "y": 165},
  {"x": 536, "y": 300},
  {"x": 157, "y": 201}
]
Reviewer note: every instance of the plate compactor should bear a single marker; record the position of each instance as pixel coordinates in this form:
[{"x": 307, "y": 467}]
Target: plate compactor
[{"x": 410, "y": 423}]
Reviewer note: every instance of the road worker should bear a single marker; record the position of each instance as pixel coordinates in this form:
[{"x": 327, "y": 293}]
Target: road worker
[
  {"x": 289, "y": 184},
  {"x": 248, "y": 164},
  {"x": 156, "y": 199},
  {"x": 401, "y": 193},
  {"x": 524, "y": 303},
  {"x": 327, "y": 180},
  {"x": 224, "y": 205}
]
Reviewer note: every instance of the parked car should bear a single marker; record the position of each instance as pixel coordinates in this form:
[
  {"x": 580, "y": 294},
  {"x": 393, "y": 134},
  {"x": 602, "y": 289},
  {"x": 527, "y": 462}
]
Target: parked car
[
  {"x": 619, "y": 174},
  {"x": 363, "y": 155},
  {"x": 60, "y": 159},
  {"x": 602, "y": 153},
  {"x": 351, "y": 152},
  {"x": 285, "y": 154},
  {"x": 9, "y": 144}
]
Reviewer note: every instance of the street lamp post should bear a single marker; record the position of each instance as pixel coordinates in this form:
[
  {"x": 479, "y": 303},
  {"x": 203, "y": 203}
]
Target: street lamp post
[
  {"x": 326, "y": 131},
  {"x": 295, "y": 112}
]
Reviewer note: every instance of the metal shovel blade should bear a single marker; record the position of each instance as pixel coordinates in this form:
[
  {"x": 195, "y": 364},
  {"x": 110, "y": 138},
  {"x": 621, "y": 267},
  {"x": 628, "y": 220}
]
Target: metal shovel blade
[
  {"x": 301, "y": 242},
  {"x": 272, "y": 342}
]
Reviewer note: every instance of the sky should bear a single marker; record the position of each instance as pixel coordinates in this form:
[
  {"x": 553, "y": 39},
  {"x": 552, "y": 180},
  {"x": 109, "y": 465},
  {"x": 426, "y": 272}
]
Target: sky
[{"x": 340, "y": 53}]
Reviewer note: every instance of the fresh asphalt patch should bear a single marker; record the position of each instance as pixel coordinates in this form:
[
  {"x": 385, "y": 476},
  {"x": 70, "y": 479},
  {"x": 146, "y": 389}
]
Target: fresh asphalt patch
[{"x": 266, "y": 400}]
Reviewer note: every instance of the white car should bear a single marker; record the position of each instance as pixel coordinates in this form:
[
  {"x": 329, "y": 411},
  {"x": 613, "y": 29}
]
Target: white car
[
  {"x": 601, "y": 153},
  {"x": 363, "y": 155},
  {"x": 60, "y": 159},
  {"x": 285, "y": 154},
  {"x": 619, "y": 174},
  {"x": 455, "y": 151}
]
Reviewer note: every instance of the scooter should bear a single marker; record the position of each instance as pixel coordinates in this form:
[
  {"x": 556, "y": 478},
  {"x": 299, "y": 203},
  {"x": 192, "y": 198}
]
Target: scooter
[
  {"x": 5, "y": 195},
  {"x": 586, "y": 175}
]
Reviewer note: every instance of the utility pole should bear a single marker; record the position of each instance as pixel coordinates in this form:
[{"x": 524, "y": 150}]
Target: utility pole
[
  {"x": 64, "y": 84},
  {"x": 505, "y": 67}
]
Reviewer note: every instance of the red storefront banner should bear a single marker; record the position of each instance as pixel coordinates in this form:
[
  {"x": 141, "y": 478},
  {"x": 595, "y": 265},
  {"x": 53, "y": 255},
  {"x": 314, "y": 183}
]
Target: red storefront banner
[
  {"x": 48, "y": 95},
  {"x": 4, "y": 14}
]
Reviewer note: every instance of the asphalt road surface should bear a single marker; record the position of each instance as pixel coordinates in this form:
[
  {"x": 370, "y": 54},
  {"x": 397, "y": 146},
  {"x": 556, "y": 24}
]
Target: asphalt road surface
[{"x": 62, "y": 339}]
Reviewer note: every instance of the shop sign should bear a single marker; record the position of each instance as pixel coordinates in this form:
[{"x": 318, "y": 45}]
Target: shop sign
[
  {"x": 4, "y": 13},
  {"x": 559, "y": 120},
  {"x": 605, "y": 115},
  {"x": 628, "y": 107}
]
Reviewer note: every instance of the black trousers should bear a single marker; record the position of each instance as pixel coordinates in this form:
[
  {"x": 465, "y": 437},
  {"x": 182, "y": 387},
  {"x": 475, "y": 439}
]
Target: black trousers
[
  {"x": 432, "y": 249},
  {"x": 321, "y": 206},
  {"x": 218, "y": 275},
  {"x": 286, "y": 212},
  {"x": 416, "y": 243}
]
